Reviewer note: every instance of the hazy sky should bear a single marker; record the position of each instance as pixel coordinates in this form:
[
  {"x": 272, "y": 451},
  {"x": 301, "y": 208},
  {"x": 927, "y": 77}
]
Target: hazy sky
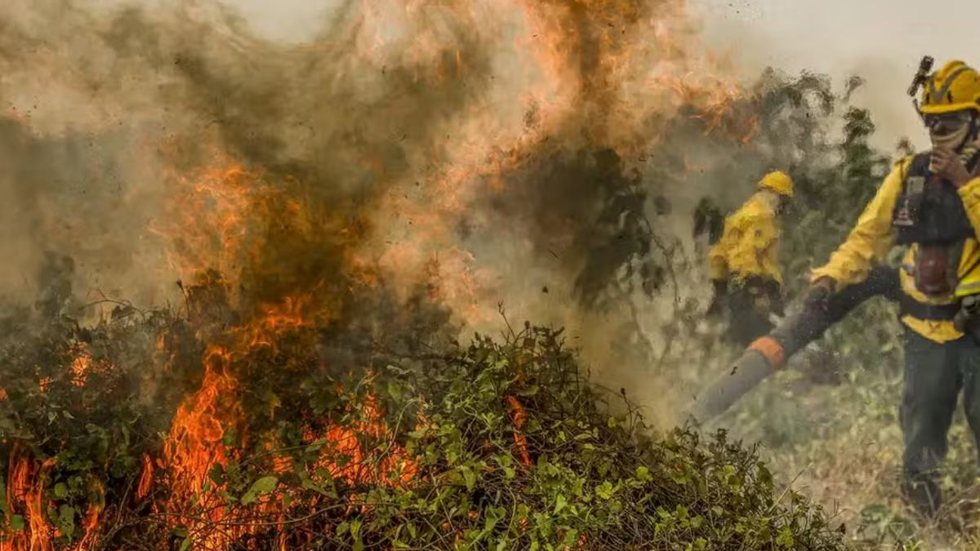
[
  {"x": 832, "y": 34},
  {"x": 882, "y": 40},
  {"x": 285, "y": 19}
]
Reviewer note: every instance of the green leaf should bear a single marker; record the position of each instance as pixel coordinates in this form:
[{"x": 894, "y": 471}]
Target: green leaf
[
  {"x": 643, "y": 474},
  {"x": 17, "y": 523},
  {"x": 529, "y": 391},
  {"x": 60, "y": 490},
  {"x": 66, "y": 520},
  {"x": 785, "y": 538},
  {"x": 316, "y": 445},
  {"x": 355, "y": 532},
  {"x": 259, "y": 488},
  {"x": 605, "y": 490},
  {"x": 560, "y": 503},
  {"x": 395, "y": 390},
  {"x": 469, "y": 477}
]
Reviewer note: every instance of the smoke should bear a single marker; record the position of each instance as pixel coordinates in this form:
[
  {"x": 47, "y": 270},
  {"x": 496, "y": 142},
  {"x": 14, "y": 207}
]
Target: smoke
[{"x": 535, "y": 158}]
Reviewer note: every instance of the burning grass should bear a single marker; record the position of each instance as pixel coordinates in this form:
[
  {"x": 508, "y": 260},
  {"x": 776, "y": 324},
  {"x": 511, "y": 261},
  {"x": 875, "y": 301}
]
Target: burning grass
[{"x": 190, "y": 438}]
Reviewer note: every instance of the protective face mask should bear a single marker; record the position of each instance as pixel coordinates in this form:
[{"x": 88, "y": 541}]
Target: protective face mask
[
  {"x": 952, "y": 132},
  {"x": 950, "y": 140}
]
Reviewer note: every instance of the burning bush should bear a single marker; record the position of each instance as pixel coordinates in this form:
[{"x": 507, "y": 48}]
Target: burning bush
[{"x": 106, "y": 444}]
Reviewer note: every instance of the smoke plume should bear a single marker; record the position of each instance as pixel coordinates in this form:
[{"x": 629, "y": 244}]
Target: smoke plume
[{"x": 527, "y": 157}]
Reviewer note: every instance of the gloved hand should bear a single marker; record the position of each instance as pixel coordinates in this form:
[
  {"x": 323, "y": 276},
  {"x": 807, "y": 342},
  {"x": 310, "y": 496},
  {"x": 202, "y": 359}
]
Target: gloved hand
[
  {"x": 767, "y": 296},
  {"x": 717, "y": 306},
  {"x": 819, "y": 293}
]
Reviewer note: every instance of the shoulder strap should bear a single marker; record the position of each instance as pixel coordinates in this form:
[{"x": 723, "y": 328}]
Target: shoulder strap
[{"x": 919, "y": 165}]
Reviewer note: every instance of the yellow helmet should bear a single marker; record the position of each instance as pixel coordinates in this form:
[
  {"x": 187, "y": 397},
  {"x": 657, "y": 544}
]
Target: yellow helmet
[
  {"x": 777, "y": 182},
  {"x": 955, "y": 87}
]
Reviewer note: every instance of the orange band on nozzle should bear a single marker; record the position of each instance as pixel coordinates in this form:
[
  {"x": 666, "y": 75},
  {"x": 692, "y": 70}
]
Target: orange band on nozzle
[{"x": 771, "y": 350}]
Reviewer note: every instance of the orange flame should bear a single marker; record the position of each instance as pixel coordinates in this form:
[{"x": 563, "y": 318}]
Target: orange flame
[
  {"x": 344, "y": 458},
  {"x": 206, "y": 218},
  {"x": 25, "y": 493},
  {"x": 195, "y": 445},
  {"x": 83, "y": 365},
  {"x": 146, "y": 478},
  {"x": 519, "y": 417},
  {"x": 212, "y": 209}
]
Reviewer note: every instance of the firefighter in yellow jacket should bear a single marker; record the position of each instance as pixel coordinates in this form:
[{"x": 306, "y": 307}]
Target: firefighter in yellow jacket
[
  {"x": 744, "y": 263},
  {"x": 930, "y": 205}
]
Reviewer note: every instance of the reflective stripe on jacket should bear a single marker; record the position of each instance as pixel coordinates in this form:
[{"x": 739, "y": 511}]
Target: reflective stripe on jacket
[{"x": 873, "y": 237}]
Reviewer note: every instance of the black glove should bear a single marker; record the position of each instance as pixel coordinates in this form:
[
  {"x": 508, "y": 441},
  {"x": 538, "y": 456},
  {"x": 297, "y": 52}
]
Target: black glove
[
  {"x": 819, "y": 294},
  {"x": 767, "y": 296}
]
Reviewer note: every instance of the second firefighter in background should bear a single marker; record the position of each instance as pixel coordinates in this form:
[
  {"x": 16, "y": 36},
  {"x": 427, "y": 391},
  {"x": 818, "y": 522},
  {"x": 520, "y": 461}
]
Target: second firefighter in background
[{"x": 744, "y": 263}]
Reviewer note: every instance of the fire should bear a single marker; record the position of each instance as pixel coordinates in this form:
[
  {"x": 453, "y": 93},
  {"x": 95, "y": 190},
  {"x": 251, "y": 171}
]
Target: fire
[
  {"x": 519, "y": 418},
  {"x": 603, "y": 73},
  {"x": 83, "y": 365},
  {"x": 90, "y": 525},
  {"x": 195, "y": 445},
  {"x": 25, "y": 494},
  {"x": 210, "y": 429},
  {"x": 207, "y": 217},
  {"x": 586, "y": 73},
  {"x": 277, "y": 319},
  {"x": 146, "y": 478},
  {"x": 344, "y": 458},
  {"x": 198, "y": 441}
]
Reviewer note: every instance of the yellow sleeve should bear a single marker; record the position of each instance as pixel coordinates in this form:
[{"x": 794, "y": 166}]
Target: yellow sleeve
[
  {"x": 871, "y": 238},
  {"x": 970, "y": 195}
]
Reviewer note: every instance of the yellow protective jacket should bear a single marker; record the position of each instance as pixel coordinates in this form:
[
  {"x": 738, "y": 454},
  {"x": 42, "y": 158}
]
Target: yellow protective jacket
[
  {"x": 873, "y": 237},
  {"x": 749, "y": 245}
]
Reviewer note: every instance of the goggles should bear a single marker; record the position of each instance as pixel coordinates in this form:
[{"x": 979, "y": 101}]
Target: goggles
[{"x": 948, "y": 124}]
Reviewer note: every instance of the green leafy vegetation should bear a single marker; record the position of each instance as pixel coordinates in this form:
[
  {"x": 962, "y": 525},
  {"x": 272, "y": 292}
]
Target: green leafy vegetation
[{"x": 504, "y": 442}]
